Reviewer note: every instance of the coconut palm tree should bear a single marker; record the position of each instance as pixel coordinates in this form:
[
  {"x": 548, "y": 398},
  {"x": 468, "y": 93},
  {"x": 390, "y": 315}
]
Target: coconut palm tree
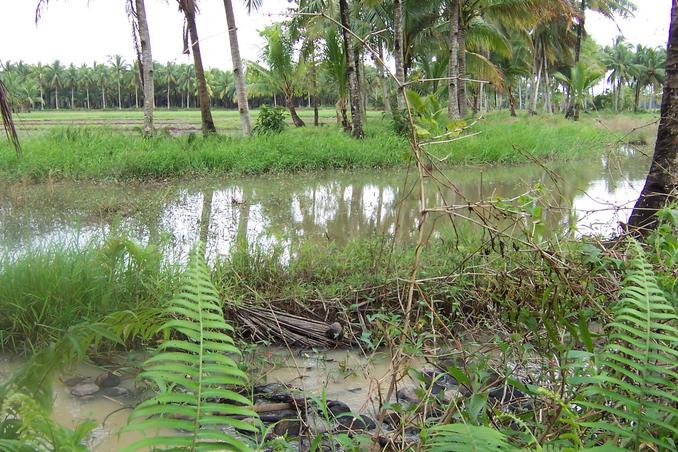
[
  {"x": 55, "y": 77},
  {"x": 118, "y": 70},
  {"x": 281, "y": 73},
  {"x": 238, "y": 72},
  {"x": 661, "y": 186},
  {"x": 71, "y": 79},
  {"x": 580, "y": 81},
  {"x": 619, "y": 61},
  {"x": 100, "y": 75},
  {"x": 334, "y": 63},
  {"x": 192, "y": 45},
  {"x": 353, "y": 85},
  {"x": 85, "y": 79},
  {"x": 647, "y": 70}
]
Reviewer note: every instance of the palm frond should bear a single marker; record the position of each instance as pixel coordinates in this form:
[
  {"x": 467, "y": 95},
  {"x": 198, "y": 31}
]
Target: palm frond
[
  {"x": 6, "y": 113},
  {"x": 194, "y": 374},
  {"x": 636, "y": 386}
]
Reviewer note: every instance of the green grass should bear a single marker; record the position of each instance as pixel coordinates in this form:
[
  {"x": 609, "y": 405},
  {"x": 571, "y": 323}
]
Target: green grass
[{"x": 100, "y": 153}]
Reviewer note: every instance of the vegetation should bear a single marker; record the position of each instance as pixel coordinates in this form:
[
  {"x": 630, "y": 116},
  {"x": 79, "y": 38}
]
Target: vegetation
[
  {"x": 91, "y": 153},
  {"x": 551, "y": 381}
]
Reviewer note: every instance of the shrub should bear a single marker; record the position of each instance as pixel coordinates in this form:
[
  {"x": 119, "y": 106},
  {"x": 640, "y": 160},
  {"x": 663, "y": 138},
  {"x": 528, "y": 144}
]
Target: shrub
[{"x": 270, "y": 121}]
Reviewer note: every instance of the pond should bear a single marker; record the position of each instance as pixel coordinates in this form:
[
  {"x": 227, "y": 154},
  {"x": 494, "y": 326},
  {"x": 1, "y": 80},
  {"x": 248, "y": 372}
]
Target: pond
[{"x": 589, "y": 196}]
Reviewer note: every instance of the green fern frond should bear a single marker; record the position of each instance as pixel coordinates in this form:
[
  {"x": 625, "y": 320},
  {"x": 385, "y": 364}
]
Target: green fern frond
[
  {"x": 467, "y": 438},
  {"x": 636, "y": 385},
  {"x": 193, "y": 373}
]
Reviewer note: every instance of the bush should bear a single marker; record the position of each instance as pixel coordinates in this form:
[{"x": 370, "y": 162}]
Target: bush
[{"x": 270, "y": 121}]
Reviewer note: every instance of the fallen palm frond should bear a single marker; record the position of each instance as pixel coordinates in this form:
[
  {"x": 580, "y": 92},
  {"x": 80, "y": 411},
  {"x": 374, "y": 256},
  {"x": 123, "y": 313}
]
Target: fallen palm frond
[
  {"x": 266, "y": 323},
  {"x": 6, "y": 113}
]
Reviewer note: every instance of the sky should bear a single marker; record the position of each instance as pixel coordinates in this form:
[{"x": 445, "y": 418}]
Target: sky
[{"x": 84, "y": 31}]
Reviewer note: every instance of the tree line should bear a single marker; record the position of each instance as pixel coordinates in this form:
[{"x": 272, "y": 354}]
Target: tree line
[{"x": 477, "y": 54}]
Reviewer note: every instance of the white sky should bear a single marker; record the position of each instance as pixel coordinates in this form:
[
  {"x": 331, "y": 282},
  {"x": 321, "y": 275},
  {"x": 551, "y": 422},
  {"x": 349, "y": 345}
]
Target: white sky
[{"x": 74, "y": 32}]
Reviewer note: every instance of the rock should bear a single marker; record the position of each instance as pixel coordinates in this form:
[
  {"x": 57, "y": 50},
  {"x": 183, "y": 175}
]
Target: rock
[
  {"x": 507, "y": 395},
  {"x": 116, "y": 391},
  {"x": 408, "y": 394},
  {"x": 275, "y": 416},
  {"x": 350, "y": 424},
  {"x": 271, "y": 388},
  {"x": 370, "y": 424},
  {"x": 392, "y": 418},
  {"x": 107, "y": 380},
  {"x": 449, "y": 395},
  {"x": 288, "y": 427},
  {"x": 335, "y": 331},
  {"x": 70, "y": 382},
  {"x": 84, "y": 389},
  {"x": 337, "y": 408}
]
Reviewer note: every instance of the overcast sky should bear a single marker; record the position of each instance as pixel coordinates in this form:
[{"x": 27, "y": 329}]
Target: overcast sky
[{"x": 82, "y": 31}]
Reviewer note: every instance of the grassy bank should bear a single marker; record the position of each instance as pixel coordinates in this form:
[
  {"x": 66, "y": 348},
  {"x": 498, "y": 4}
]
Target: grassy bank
[{"x": 100, "y": 153}]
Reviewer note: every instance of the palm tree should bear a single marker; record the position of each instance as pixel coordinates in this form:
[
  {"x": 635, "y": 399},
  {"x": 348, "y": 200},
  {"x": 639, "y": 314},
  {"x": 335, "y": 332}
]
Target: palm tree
[
  {"x": 335, "y": 65},
  {"x": 101, "y": 77},
  {"x": 580, "y": 81},
  {"x": 241, "y": 88},
  {"x": 138, "y": 11},
  {"x": 40, "y": 72},
  {"x": 661, "y": 187},
  {"x": 55, "y": 76},
  {"x": 353, "y": 86},
  {"x": 170, "y": 75},
  {"x": 282, "y": 74},
  {"x": 398, "y": 52},
  {"x": 619, "y": 60},
  {"x": 118, "y": 70},
  {"x": 85, "y": 77},
  {"x": 190, "y": 9},
  {"x": 186, "y": 82},
  {"x": 71, "y": 78},
  {"x": 647, "y": 70}
]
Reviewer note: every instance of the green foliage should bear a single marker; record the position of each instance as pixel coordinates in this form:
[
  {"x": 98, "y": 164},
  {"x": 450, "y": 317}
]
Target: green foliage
[
  {"x": 26, "y": 426},
  {"x": 270, "y": 121},
  {"x": 106, "y": 154},
  {"x": 431, "y": 119},
  {"x": 193, "y": 373},
  {"x": 465, "y": 437},
  {"x": 636, "y": 383},
  {"x": 45, "y": 292}
]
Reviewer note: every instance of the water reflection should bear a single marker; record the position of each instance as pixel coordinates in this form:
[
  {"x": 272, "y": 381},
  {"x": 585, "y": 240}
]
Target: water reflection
[{"x": 327, "y": 207}]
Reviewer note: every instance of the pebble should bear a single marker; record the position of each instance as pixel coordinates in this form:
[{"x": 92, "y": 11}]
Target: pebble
[
  {"x": 287, "y": 427},
  {"x": 338, "y": 408},
  {"x": 84, "y": 389},
  {"x": 408, "y": 394},
  {"x": 107, "y": 380},
  {"x": 70, "y": 382},
  {"x": 116, "y": 391}
]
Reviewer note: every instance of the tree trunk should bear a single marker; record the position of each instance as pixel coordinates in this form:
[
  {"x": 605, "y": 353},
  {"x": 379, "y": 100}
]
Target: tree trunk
[
  {"x": 293, "y": 111},
  {"x": 512, "y": 101},
  {"x": 168, "y": 93},
  {"x": 661, "y": 187},
  {"x": 382, "y": 78},
  {"x": 535, "y": 87},
  {"x": 87, "y": 92},
  {"x": 351, "y": 71},
  {"x": 147, "y": 66},
  {"x": 548, "y": 108},
  {"x": 461, "y": 86},
  {"x": 453, "y": 64},
  {"x": 636, "y": 98},
  {"x": 398, "y": 53},
  {"x": 205, "y": 112},
  {"x": 72, "y": 98},
  {"x": 56, "y": 97},
  {"x": 238, "y": 73}
]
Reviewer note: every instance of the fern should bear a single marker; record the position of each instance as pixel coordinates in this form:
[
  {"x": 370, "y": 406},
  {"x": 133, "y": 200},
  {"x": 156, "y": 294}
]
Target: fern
[
  {"x": 636, "y": 382},
  {"x": 192, "y": 373},
  {"x": 467, "y": 438}
]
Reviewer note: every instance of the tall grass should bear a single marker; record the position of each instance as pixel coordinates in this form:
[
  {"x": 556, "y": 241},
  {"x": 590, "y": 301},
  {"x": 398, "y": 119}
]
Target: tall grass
[
  {"x": 89, "y": 153},
  {"x": 43, "y": 293}
]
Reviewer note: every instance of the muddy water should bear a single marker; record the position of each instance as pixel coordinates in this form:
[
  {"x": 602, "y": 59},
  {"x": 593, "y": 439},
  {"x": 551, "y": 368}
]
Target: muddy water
[
  {"x": 343, "y": 375},
  {"x": 591, "y": 196}
]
